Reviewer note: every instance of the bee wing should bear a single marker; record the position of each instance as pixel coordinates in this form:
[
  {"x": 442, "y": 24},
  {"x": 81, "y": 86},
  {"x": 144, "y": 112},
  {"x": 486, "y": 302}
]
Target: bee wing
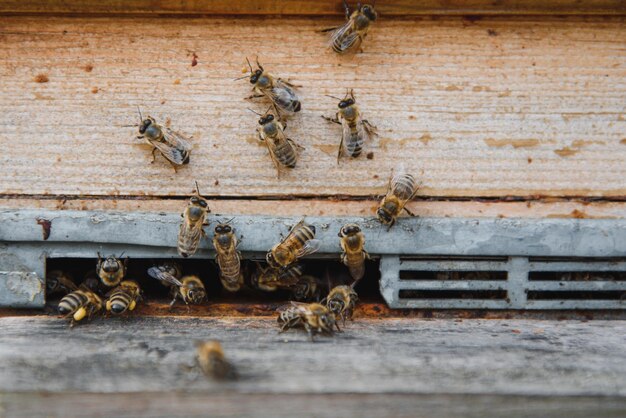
[
  {"x": 176, "y": 139},
  {"x": 192, "y": 232},
  {"x": 282, "y": 93},
  {"x": 309, "y": 247},
  {"x": 344, "y": 37},
  {"x": 159, "y": 274},
  {"x": 174, "y": 146}
]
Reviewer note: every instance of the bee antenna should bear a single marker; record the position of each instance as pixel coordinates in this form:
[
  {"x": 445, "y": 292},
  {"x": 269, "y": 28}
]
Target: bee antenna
[
  {"x": 140, "y": 116},
  {"x": 197, "y": 188},
  {"x": 250, "y": 65},
  {"x": 258, "y": 63},
  {"x": 333, "y": 97},
  {"x": 241, "y": 78},
  {"x": 256, "y": 113},
  {"x": 121, "y": 255},
  {"x": 228, "y": 221}
]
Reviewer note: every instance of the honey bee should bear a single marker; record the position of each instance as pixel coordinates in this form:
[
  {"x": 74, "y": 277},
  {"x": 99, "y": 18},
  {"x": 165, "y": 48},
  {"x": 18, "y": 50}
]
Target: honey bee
[
  {"x": 227, "y": 257},
  {"x": 270, "y": 279},
  {"x": 124, "y": 297},
  {"x": 283, "y": 150},
  {"x": 298, "y": 243},
  {"x": 313, "y": 317},
  {"x": 92, "y": 282},
  {"x": 400, "y": 190},
  {"x": 306, "y": 289},
  {"x": 194, "y": 218},
  {"x": 211, "y": 360},
  {"x": 189, "y": 288},
  {"x": 168, "y": 268},
  {"x": 353, "y": 31},
  {"x": 341, "y": 301},
  {"x": 171, "y": 144},
  {"x": 59, "y": 282},
  {"x": 111, "y": 270},
  {"x": 356, "y": 131},
  {"x": 354, "y": 254},
  {"x": 280, "y": 92},
  {"x": 79, "y": 304}
]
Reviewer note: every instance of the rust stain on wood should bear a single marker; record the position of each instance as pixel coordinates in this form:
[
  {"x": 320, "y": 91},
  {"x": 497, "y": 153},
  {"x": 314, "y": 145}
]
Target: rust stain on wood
[
  {"x": 515, "y": 143},
  {"x": 41, "y": 78},
  {"x": 566, "y": 151}
]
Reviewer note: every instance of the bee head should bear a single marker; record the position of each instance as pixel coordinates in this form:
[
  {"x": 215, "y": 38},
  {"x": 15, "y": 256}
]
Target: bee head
[
  {"x": 254, "y": 77},
  {"x": 266, "y": 119},
  {"x": 345, "y": 103},
  {"x": 348, "y": 230},
  {"x": 196, "y": 295},
  {"x": 223, "y": 229},
  {"x": 144, "y": 125},
  {"x": 111, "y": 265},
  {"x": 271, "y": 260},
  {"x": 383, "y": 216},
  {"x": 369, "y": 11}
]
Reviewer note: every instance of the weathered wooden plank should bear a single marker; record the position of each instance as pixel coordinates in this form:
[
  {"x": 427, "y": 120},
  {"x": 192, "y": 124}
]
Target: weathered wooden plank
[
  {"x": 303, "y": 7},
  {"x": 474, "y": 108},
  {"x": 408, "y": 356},
  {"x": 326, "y": 207}
]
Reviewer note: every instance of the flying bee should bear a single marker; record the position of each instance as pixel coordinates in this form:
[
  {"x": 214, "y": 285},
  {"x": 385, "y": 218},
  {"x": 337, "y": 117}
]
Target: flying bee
[
  {"x": 211, "y": 360},
  {"x": 227, "y": 257},
  {"x": 270, "y": 279},
  {"x": 341, "y": 301},
  {"x": 298, "y": 243},
  {"x": 350, "y": 35},
  {"x": 59, "y": 282},
  {"x": 283, "y": 151},
  {"x": 124, "y": 297},
  {"x": 189, "y": 288},
  {"x": 194, "y": 218},
  {"x": 313, "y": 317},
  {"x": 79, "y": 304},
  {"x": 167, "y": 268},
  {"x": 400, "y": 190},
  {"x": 280, "y": 92},
  {"x": 356, "y": 131},
  {"x": 306, "y": 289},
  {"x": 171, "y": 144},
  {"x": 111, "y": 270},
  {"x": 354, "y": 254}
]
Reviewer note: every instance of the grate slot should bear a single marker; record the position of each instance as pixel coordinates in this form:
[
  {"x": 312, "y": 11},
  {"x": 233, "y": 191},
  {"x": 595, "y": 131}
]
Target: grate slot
[
  {"x": 439, "y": 276},
  {"x": 452, "y": 294},
  {"x": 576, "y": 295},
  {"x": 577, "y": 276}
]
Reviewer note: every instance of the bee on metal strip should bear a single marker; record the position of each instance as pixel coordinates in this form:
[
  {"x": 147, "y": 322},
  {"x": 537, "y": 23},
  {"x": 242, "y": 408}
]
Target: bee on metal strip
[
  {"x": 354, "y": 254},
  {"x": 194, "y": 219},
  {"x": 228, "y": 258},
  {"x": 298, "y": 243},
  {"x": 400, "y": 190},
  {"x": 172, "y": 145},
  {"x": 350, "y": 35}
]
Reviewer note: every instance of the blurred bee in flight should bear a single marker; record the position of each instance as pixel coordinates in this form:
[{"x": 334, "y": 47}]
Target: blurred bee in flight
[
  {"x": 350, "y": 35},
  {"x": 298, "y": 243},
  {"x": 356, "y": 131},
  {"x": 341, "y": 301},
  {"x": 400, "y": 190},
  {"x": 354, "y": 254},
  {"x": 58, "y": 282},
  {"x": 279, "y": 92},
  {"x": 211, "y": 360},
  {"x": 124, "y": 297},
  {"x": 171, "y": 144},
  {"x": 313, "y": 317},
  {"x": 194, "y": 219},
  {"x": 189, "y": 288},
  {"x": 111, "y": 270},
  {"x": 227, "y": 257},
  {"x": 283, "y": 151},
  {"x": 79, "y": 304}
]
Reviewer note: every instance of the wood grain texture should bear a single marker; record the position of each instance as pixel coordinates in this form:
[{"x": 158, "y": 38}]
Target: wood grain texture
[
  {"x": 315, "y": 207},
  {"x": 497, "y": 357},
  {"x": 515, "y": 106},
  {"x": 304, "y": 7}
]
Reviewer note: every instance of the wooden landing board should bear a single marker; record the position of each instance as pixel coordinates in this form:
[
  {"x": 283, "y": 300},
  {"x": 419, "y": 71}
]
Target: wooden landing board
[
  {"x": 482, "y": 357},
  {"x": 491, "y": 107}
]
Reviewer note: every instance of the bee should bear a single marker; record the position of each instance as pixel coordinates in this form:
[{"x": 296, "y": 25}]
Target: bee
[
  {"x": 211, "y": 360},
  {"x": 168, "y": 268},
  {"x": 350, "y": 35},
  {"x": 124, "y": 297},
  {"x": 280, "y": 92},
  {"x": 227, "y": 257},
  {"x": 194, "y": 218},
  {"x": 59, "y": 282},
  {"x": 92, "y": 282},
  {"x": 313, "y": 317},
  {"x": 400, "y": 190},
  {"x": 111, "y": 270},
  {"x": 79, "y": 304},
  {"x": 306, "y": 289},
  {"x": 356, "y": 131},
  {"x": 189, "y": 288},
  {"x": 341, "y": 301},
  {"x": 354, "y": 254},
  {"x": 283, "y": 151},
  {"x": 171, "y": 144},
  {"x": 298, "y": 243},
  {"x": 270, "y": 279}
]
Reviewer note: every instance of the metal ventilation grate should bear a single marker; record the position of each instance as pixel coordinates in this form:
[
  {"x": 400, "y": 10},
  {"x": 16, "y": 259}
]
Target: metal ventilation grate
[{"x": 503, "y": 283}]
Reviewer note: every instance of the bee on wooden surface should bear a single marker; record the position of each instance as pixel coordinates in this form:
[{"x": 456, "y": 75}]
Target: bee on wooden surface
[
  {"x": 124, "y": 297},
  {"x": 283, "y": 151},
  {"x": 400, "y": 190},
  {"x": 350, "y": 35},
  {"x": 313, "y": 317},
  {"x": 298, "y": 243},
  {"x": 354, "y": 254},
  {"x": 211, "y": 360},
  {"x": 280, "y": 92},
  {"x": 59, "y": 282},
  {"x": 306, "y": 289},
  {"x": 227, "y": 257},
  {"x": 341, "y": 301},
  {"x": 270, "y": 279},
  {"x": 171, "y": 144},
  {"x": 356, "y": 131},
  {"x": 79, "y": 304},
  {"x": 111, "y": 270},
  {"x": 194, "y": 218}
]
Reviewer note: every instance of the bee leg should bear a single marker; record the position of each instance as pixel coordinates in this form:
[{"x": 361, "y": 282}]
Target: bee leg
[
  {"x": 366, "y": 255},
  {"x": 173, "y": 300},
  {"x": 333, "y": 120},
  {"x": 309, "y": 331},
  {"x": 329, "y": 29},
  {"x": 346, "y": 8},
  {"x": 408, "y": 211},
  {"x": 289, "y": 83},
  {"x": 371, "y": 129},
  {"x": 255, "y": 96},
  {"x": 153, "y": 155}
]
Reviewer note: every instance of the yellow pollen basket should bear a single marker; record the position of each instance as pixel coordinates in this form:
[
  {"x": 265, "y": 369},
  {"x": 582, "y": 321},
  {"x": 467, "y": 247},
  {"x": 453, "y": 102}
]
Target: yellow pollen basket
[
  {"x": 80, "y": 314},
  {"x": 108, "y": 305},
  {"x": 132, "y": 305}
]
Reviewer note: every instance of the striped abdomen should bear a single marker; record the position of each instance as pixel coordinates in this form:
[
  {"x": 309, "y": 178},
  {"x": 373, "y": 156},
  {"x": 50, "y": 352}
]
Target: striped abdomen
[
  {"x": 72, "y": 302},
  {"x": 404, "y": 186},
  {"x": 299, "y": 236},
  {"x": 189, "y": 237},
  {"x": 122, "y": 299},
  {"x": 285, "y": 153},
  {"x": 356, "y": 264},
  {"x": 291, "y": 274},
  {"x": 354, "y": 141}
]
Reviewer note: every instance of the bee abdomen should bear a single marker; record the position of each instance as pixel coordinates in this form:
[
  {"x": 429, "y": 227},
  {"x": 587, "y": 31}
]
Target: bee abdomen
[
  {"x": 286, "y": 155},
  {"x": 404, "y": 186},
  {"x": 229, "y": 267},
  {"x": 354, "y": 145},
  {"x": 72, "y": 302},
  {"x": 119, "y": 302},
  {"x": 292, "y": 273},
  {"x": 340, "y": 44}
]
